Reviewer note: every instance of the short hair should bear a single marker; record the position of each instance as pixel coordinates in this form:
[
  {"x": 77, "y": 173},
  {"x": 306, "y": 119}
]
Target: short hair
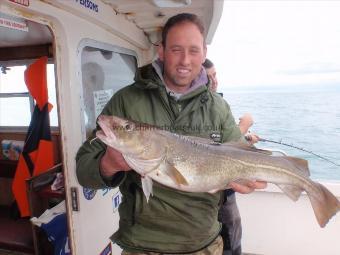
[
  {"x": 182, "y": 18},
  {"x": 207, "y": 63}
]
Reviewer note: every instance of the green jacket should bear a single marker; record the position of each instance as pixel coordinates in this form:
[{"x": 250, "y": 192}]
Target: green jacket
[{"x": 172, "y": 221}]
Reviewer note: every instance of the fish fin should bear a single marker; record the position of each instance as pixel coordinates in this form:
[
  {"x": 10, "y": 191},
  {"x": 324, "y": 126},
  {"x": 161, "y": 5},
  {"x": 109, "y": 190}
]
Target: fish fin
[
  {"x": 246, "y": 147},
  {"x": 239, "y": 144},
  {"x": 242, "y": 181},
  {"x": 293, "y": 192},
  {"x": 301, "y": 164},
  {"x": 200, "y": 140},
  {"x": 174, "y": 174},
  {"x": 147, "y": 187},
  {"x": 324, "y": 203},
  {"x": 196, "y": 139},
  {"x": 143, "y": 167}
]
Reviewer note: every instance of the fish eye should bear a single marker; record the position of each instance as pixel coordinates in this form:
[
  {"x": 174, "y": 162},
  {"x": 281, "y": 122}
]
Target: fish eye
[{"x": 128, "y": 127}]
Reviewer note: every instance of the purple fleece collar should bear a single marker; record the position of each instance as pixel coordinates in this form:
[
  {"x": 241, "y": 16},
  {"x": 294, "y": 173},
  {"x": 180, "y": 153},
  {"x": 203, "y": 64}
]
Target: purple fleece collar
[{"x": 201, "y": 79}]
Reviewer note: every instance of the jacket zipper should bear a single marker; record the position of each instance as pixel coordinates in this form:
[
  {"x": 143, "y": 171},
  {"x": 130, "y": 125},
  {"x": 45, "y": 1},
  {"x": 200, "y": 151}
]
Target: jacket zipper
[{"x": 167, "y": 108}]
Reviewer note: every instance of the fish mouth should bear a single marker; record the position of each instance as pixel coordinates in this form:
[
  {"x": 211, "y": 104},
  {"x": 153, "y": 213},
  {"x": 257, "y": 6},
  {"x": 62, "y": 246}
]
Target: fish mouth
[
  {"x": 107, "y": 124},
  {"x": 101, "y": 135}
]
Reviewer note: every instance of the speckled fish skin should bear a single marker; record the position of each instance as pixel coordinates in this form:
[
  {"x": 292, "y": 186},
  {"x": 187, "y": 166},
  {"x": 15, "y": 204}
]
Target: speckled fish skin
[{"x": 196, "y": 165}]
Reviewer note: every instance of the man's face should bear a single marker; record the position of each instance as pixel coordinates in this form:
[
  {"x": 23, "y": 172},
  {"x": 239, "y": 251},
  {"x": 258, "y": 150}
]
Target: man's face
[
  {"x": 211, "y": 72},
  {"x": 182, "y": 56}
]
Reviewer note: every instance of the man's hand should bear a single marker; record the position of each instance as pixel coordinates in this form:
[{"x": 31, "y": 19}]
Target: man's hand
[
  {"x": 247, "y": 186},
  {"x": 246, "y": 121},
  {"x": 112, "y": 162},
  {"x": 252, "y": 138}
]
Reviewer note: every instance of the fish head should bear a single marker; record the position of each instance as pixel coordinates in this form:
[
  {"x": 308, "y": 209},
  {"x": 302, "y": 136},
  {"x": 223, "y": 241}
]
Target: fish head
[{"x": 126, "y": 136}]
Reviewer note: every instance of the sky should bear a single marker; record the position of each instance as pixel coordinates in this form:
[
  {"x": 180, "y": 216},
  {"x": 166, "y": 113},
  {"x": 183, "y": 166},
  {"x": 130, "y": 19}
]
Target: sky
[{"x": 277, "y": 43}]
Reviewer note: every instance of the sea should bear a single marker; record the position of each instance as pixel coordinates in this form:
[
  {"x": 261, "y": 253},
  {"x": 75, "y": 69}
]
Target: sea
[{"x": 304, "y": 117}]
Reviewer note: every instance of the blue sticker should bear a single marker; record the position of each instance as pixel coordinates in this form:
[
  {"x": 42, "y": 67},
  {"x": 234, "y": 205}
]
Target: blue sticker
[
  {"x": 89, "y": 193},
  {"x": 106, "y": 190},
  {"x": 107, "y": 250},
  {"x": 21, "y": 2},
  {"x": 116, "y": 199}
]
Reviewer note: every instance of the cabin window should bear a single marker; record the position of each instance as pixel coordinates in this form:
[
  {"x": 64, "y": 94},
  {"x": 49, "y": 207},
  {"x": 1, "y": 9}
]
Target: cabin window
[
  {"x": 16, "y": 104},
  {"x": 105, "y": 69}
]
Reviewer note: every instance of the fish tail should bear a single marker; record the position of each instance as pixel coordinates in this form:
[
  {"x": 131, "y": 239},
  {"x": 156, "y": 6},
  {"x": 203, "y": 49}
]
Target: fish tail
[
  {"x": 324, "y": 203},
  {"x": 293, "y": 192}
]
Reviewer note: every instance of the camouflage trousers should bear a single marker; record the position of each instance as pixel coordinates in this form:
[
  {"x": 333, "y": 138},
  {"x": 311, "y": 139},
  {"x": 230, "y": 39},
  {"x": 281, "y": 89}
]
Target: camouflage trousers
[{"x": 215, "y": 248}]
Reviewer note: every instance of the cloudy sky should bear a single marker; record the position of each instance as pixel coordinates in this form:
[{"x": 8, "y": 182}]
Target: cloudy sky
[{"x": 271, "y": 43}]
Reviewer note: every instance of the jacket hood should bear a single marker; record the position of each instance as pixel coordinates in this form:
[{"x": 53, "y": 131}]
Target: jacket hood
[{"x": 147, "y": 78}]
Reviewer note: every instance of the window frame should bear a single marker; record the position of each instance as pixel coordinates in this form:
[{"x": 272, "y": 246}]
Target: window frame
[{"x": 86, "y": 42}]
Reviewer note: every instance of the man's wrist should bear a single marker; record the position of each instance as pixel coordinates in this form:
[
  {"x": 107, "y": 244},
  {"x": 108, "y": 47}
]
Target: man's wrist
[
  {"x": 107, "y": 167},
  {"x": 107, "y": 171},
  {"x": 113, "y": 180}
]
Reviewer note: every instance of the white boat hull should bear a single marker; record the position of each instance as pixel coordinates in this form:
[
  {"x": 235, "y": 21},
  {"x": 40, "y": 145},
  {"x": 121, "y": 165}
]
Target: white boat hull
[{"x": 275, "y": 225}]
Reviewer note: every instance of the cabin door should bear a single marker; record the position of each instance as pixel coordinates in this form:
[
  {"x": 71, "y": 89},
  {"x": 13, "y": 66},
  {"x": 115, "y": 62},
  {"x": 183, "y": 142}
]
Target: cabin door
[{"x": 104, "y": 70}]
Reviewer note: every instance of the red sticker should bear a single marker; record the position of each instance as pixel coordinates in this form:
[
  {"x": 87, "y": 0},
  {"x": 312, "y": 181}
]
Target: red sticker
[{"x": 21, "y": 2}]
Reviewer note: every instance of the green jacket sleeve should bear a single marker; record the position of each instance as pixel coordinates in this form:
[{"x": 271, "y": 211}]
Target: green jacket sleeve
[
  {"x": 90, "y": 153},
  {"x": 230, "y": 130}
]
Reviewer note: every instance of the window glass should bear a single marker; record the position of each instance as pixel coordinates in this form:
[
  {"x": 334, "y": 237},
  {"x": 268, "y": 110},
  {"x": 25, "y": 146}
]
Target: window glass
[
  {"x": 10, "y": 81},
  {"x": 15, "y": 110},
  {"x": 52, "y": 99},
  {"x": 103, "y": 73}
]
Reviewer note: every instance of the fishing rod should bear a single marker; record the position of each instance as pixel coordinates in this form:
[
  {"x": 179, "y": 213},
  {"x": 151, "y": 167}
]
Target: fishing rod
[{"x": 295, "y": 147}]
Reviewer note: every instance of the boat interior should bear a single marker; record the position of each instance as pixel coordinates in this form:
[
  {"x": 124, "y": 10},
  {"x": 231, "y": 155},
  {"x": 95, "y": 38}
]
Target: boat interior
[{"x": 18, "y": 49}]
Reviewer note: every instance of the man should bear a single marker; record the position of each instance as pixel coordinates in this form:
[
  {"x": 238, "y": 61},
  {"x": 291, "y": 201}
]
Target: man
[
  {"x": 172, "y": 93},
  {"x": 246, "y": 121},
  {"x": 229, "y": 214},
  {"x": 211, "y": 72}
]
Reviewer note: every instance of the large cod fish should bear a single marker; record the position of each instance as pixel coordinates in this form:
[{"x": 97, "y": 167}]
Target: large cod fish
[{"x": 196, "y": 165}]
